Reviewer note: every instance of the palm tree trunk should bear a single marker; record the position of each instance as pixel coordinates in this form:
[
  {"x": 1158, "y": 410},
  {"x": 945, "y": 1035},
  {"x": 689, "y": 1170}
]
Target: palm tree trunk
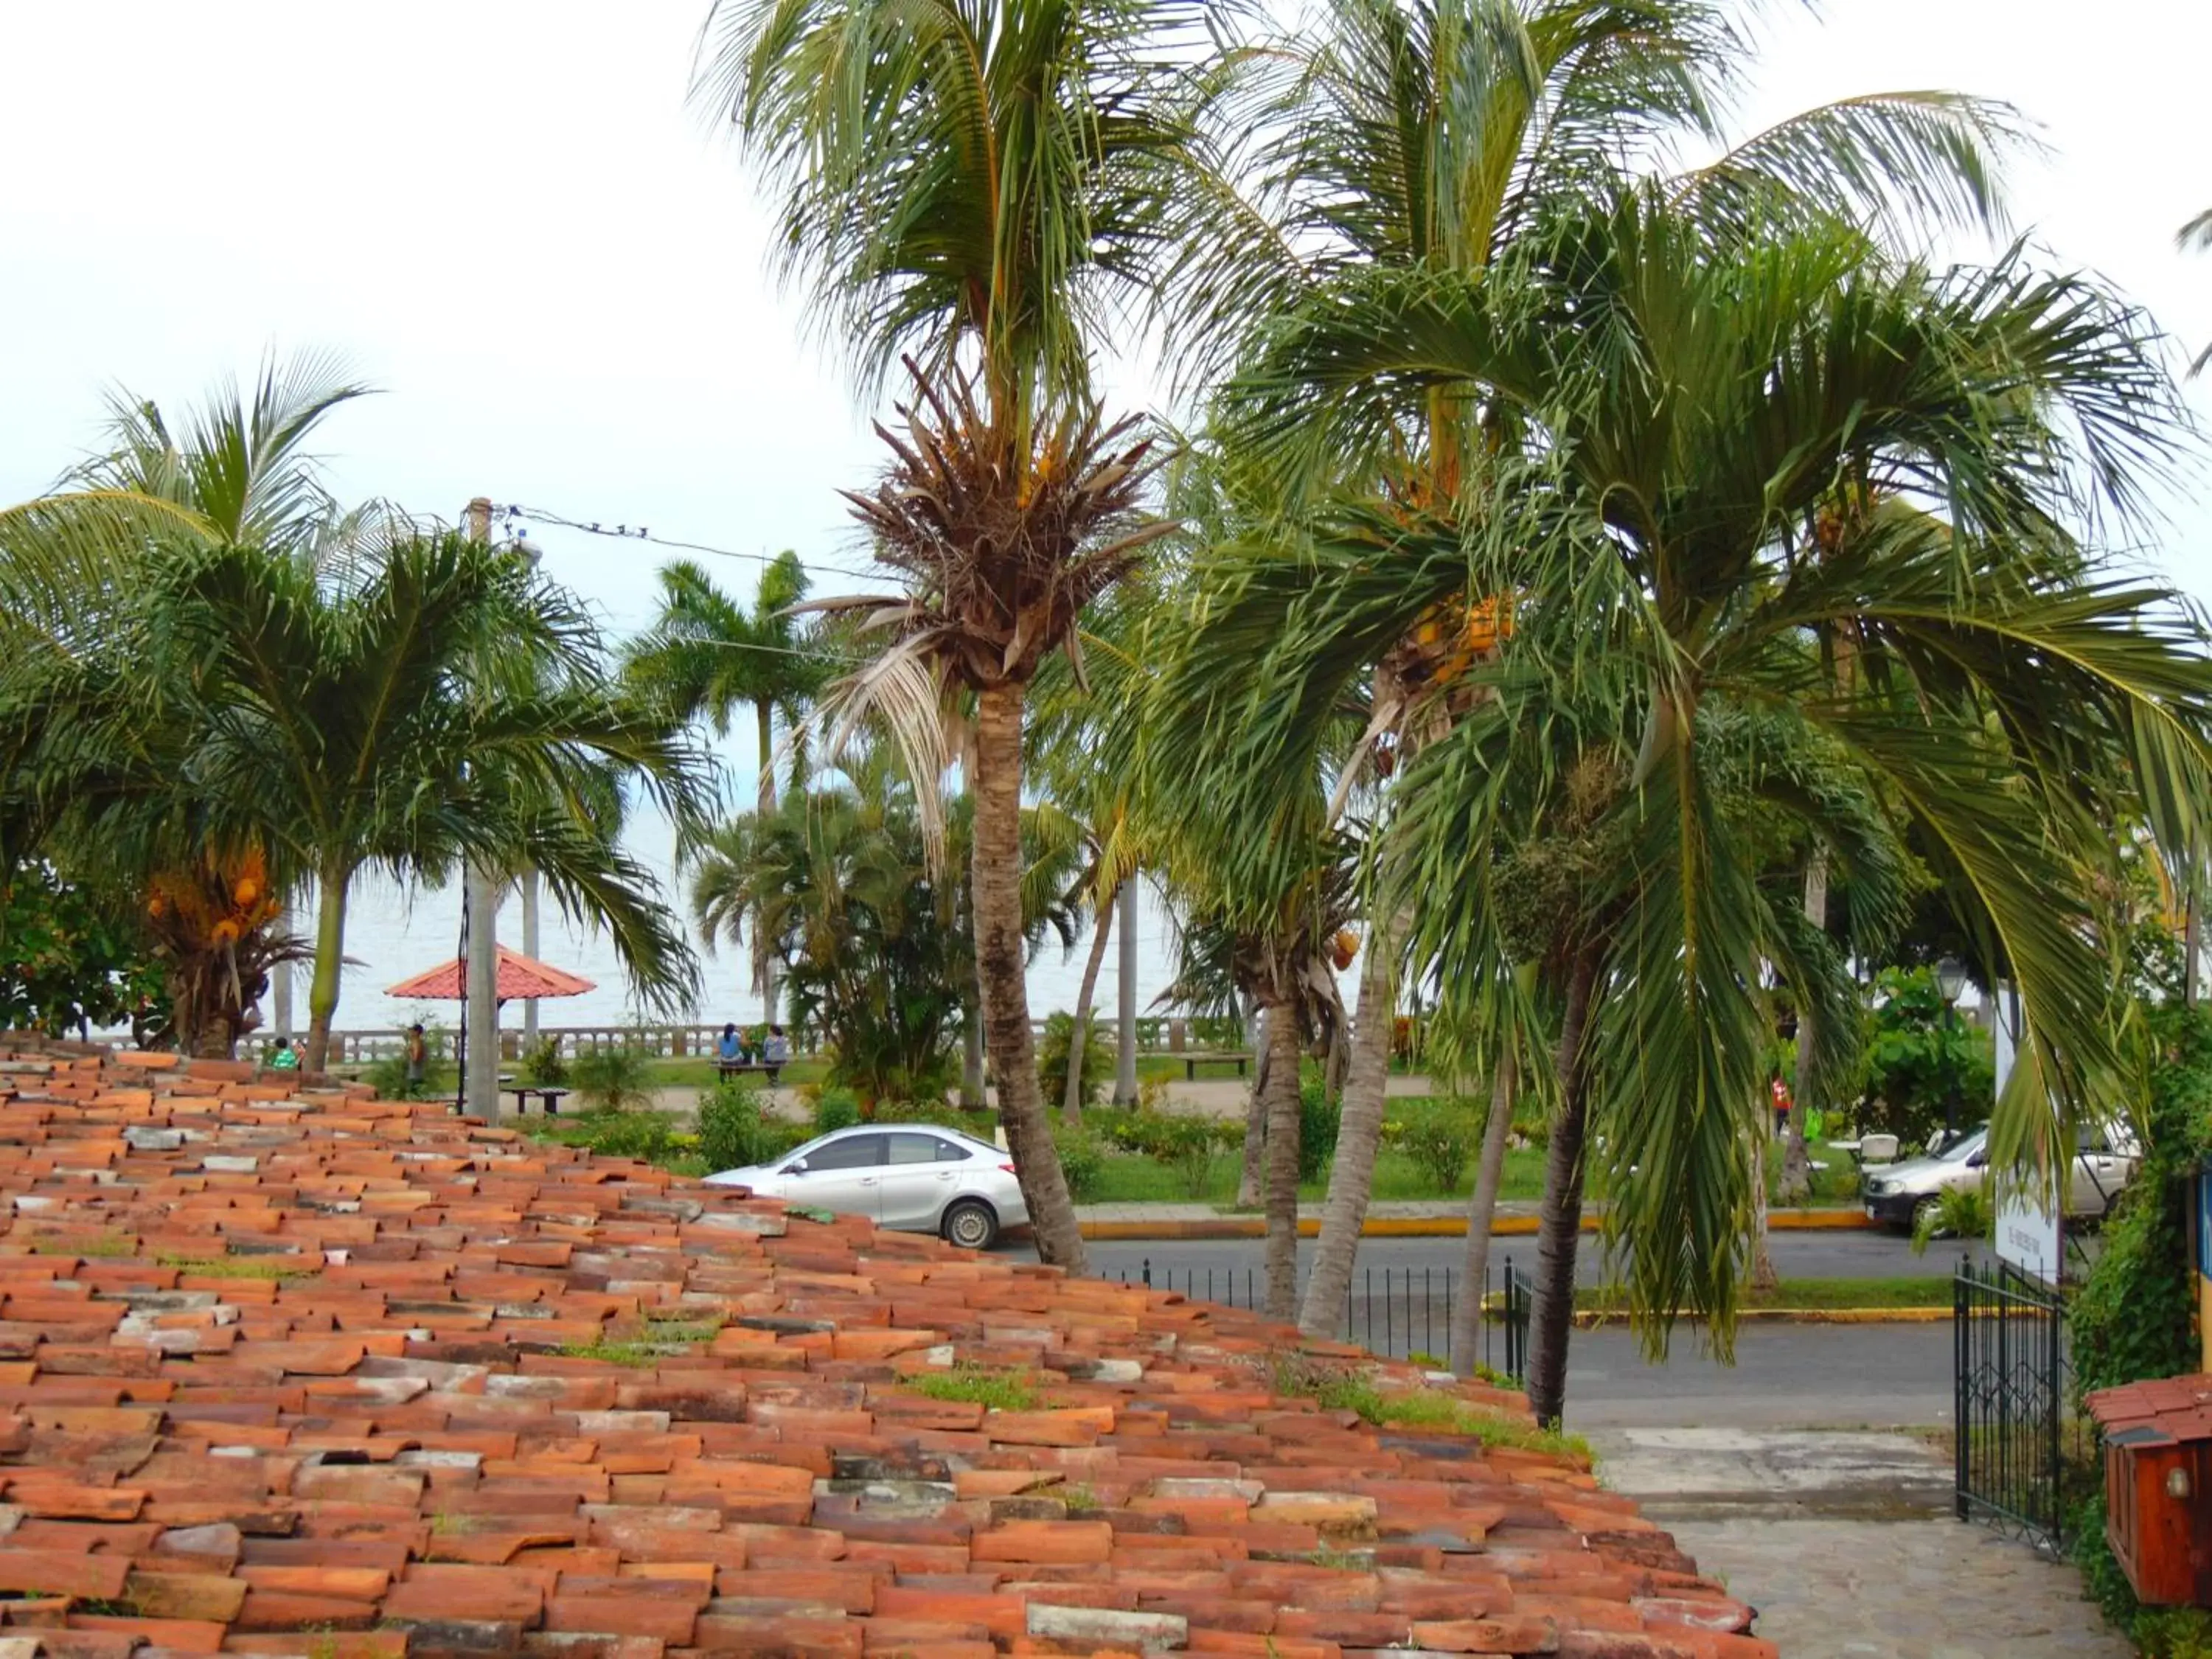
[
  {"x": 1796, "y": 1160},
  {"x": 1072, "y": 1106},
  {"x": 330, "y": 950},
  {"x": 1763, "y": 1275},
  {"x": 971, "y": 1055},
  {"x": 1359, "y": 1132},
  {"x": 1001, "y": 970},
  {"x": 1281, "y": 1094},
  {"x": 1255, "y": 1120},
  {"x": 1474, "y": 1267},
  {"x": 1559, "y": 1226},
  {"x": 764, "y": 962}
]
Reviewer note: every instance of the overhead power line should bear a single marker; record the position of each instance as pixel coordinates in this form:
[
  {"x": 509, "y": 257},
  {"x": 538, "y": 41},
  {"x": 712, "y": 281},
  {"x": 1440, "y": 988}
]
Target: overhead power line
[{"x": 513, "y": 511}]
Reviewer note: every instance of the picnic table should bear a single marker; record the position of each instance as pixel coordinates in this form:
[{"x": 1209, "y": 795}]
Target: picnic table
[
  {"x": 730, "y": 1068},
  {"x": 550, "y": 1098},
  {"x": 1192, "y": 1063}
]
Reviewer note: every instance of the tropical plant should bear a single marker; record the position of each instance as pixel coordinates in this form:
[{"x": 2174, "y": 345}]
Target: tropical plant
[
  {"x": 1082, "y": 1160},
  {"x": 1436, "y": 138},
  {"x": 1440, "y": 1141},
  {"x": 1660, "y": 607},
  {"x": 72, "y": 957},
  {"x": 543, "y": 1066},
  {"x": 978, "y": 188},
  {"x": 835, "y": 1109},
  {"x": 614, "y": 1076},
  {"x": 1062, "y": 1042},
  {"x": 707, "y": 656},
  {"x": 439, "y": 703},
  {"x": 1923, "y": 1064},
  {"x": 214, "y": 928},
  {"x": 255, "y": 668},
  {"x": 734, "y": 1134},
  {"x": 872, "y": 948}
]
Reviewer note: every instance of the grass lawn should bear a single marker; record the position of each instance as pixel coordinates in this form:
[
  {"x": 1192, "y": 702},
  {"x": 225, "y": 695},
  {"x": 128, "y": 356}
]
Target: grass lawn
[
  {"x": 1129, "y": 1179},
  {"x": 699, "y": 1072},
  {"x": 1133, "y": 1180},
  {"x": 1933, "y": 1292}
]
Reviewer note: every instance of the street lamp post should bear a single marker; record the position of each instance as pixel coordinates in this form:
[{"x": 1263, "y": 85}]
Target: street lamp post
[{"x": 1950, "y": 980}]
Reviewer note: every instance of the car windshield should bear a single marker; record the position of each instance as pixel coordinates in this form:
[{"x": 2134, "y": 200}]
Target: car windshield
[{"x": 1966, "y": 1148}]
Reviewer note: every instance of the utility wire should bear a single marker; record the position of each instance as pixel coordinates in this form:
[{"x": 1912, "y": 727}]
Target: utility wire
[{"x": 514, "y": 511}]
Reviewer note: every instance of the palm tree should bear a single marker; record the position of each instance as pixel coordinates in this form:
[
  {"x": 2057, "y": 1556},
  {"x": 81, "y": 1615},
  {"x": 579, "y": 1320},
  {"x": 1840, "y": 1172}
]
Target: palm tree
[
  {"x": 1436, "y": 138},
  {"x": 707, "y": 656},
  {"x": 835, "y": 883},
  {"x": 439, "y": 703},
  {"x": 1697, "y": 393},
  {"x": 979, "y": 188}
]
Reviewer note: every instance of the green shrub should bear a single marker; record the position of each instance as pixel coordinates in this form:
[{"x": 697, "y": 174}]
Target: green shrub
[
  {"x": 1441, "y": 1142},
  {"x": 1052, "y": 1060},
  {"x": 1319, "y": 1118},
  {"x": 1958, "y": 1212},
  {"x": 835, "y": 1109},
  {"x": 1082, "y": 1160},
  {"x": 615, "y": 1078},
  {"x": 733, "y": 1134},
  {"x": 542, "y": 1064},
  {"x": 649, "y": 1137},
  {"x": 1191, "y": 1146}
]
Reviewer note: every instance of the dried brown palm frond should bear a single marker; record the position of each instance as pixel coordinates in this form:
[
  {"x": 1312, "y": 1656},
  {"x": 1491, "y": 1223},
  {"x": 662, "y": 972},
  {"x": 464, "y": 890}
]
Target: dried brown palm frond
[{"x": 1003, "y": 535}]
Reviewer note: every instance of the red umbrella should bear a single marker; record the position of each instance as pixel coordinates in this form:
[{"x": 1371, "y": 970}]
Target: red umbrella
[{"x": 520, "y": 979}]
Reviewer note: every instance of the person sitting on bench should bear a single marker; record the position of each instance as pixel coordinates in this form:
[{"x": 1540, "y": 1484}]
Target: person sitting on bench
[
  {"x": 730, "y": 1050},
  {"x": 775, "y": 1048}
]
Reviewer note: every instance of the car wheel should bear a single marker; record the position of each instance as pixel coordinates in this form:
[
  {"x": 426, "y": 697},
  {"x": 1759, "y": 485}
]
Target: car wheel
[
  {"x": 1924, "y": 1213},
  {"x": 972, "y": 1225}
]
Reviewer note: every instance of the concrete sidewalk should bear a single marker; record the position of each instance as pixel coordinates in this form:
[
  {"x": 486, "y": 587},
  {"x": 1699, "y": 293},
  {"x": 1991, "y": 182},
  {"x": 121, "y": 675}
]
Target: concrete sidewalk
[{"x": 1392, "y": 1219}]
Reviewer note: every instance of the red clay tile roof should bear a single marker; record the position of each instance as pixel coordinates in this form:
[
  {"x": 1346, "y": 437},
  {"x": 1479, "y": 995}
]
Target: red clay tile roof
[
  {"x": 2173, "y": 1408},
  {"x": 332, "y": 1379}
]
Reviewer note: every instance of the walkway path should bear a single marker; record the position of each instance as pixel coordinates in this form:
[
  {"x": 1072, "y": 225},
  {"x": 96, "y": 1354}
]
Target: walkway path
[{"x": 1845, "y": 1544}]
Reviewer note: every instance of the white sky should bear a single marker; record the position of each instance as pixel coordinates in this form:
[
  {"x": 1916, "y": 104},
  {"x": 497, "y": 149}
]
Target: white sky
[{"x": 503, "y": 213}]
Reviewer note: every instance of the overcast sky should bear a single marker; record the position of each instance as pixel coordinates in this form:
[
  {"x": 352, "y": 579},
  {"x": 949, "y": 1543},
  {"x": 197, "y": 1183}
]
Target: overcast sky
[{"x": 502, "y": 213}]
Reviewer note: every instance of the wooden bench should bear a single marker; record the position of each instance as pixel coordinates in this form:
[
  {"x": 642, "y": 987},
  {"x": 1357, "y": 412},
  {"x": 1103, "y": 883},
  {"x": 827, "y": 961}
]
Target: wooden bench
[
  {"x": 551, "y": 1097},
  {"x": 1192, "y": 1063},
  {"x": 730, "y": 1068}
]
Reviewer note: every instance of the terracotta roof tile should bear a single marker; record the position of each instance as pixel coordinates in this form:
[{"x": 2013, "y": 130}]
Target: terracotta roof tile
[{"x": 321, "y": 1377}]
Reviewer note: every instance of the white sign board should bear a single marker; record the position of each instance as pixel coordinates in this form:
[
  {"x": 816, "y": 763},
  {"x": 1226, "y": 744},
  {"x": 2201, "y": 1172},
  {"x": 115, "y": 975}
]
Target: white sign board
[{"x": 2028, "y": 1236}]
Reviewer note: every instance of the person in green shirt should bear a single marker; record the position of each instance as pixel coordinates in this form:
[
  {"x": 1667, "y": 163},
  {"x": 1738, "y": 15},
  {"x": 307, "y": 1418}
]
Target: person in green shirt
[{"x": 286, "y": 1058}]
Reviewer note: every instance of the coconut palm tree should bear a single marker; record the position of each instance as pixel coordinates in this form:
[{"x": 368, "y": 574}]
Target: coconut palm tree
[
  {"x": 981, "y": 188},
  {"x": 1697, "y": 393},
  {"x": 439, "y": 703}
]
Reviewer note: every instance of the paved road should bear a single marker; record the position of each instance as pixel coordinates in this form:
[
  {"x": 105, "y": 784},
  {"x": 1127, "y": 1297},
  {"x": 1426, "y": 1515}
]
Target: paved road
[
  {"x": 1784, "y": 1375},
  {"x": 1807, "y": 1376}
]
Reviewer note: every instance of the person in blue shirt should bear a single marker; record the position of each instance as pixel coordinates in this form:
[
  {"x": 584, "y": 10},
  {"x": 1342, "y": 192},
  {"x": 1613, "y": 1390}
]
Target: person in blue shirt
[{"x": 731, "y": 1047}]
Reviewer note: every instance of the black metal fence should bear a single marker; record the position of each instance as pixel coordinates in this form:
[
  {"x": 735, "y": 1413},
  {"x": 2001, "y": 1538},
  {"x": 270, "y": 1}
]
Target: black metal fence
[
  {"x": 2009, "y": 1377},
  {"x": 1401, "y": 1313}
]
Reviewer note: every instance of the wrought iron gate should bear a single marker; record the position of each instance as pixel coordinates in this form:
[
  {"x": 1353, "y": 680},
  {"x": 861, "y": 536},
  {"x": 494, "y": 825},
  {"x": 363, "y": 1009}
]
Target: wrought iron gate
[
  {"x": 2009, "y": 1384},
  {"x": 1399, "y": 1312}
]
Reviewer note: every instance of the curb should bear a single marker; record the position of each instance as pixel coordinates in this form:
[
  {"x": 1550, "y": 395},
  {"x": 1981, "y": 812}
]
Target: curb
[
  {"x": 1587, "y": 1321},
  {"x": 1423, "y": 1226}
]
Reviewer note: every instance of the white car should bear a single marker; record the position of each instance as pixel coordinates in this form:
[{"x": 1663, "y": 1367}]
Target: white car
[{"x": 914, "y": 1177}]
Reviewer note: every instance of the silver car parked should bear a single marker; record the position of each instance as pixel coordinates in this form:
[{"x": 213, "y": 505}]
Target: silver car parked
[
  {"x": 913, "y": 1177},
  {"x": 1897, "y": 1194}
]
